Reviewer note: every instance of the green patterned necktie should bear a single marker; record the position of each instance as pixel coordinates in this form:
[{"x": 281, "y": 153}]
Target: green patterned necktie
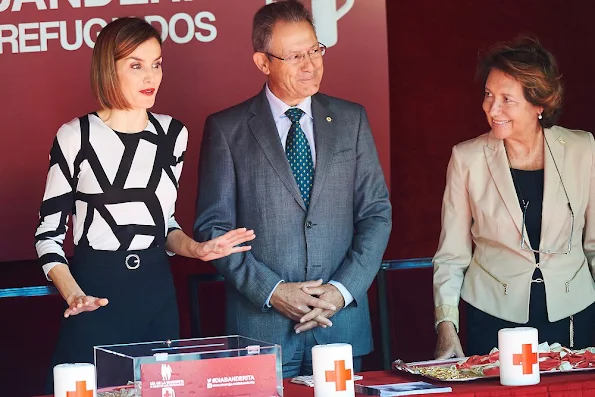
[{"x": 299, "y": 155}]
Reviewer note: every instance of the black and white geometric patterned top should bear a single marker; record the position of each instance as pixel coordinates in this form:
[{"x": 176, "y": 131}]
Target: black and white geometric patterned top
[{"x": 120, "y": 188}]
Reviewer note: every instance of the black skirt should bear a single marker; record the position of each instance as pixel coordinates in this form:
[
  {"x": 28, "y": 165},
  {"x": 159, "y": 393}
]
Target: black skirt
[
  {"x": 142, "y": 303},
  {"x": 482, "y": 328}
]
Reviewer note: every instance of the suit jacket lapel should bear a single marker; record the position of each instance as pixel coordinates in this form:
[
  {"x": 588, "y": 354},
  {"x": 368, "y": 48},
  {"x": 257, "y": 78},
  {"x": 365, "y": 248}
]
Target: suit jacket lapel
[
  {"x": 264, "y": 130},
  {"x": 324, "y": 138},
  {"x": 551, "y": 178},
  {"x": 500, "y": 170}
]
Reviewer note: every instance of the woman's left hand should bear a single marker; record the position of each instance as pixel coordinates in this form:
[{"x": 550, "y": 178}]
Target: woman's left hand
[
  {"x": 224, "y": 245},
  {"x": 83, "y": 303}
]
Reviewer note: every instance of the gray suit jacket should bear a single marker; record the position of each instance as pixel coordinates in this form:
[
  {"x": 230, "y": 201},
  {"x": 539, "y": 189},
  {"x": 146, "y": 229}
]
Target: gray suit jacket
[{"x": 245, "y": 181}]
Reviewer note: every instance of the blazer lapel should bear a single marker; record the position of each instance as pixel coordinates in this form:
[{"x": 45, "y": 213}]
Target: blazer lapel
[
  {"x": 264, "y": 130},
  {"x": 324, "y": 139},
  {"x": 500, "y": 170},
  {"x": 551, "y": 182}
]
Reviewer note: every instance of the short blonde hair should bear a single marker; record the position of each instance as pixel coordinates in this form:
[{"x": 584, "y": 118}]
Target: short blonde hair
[{"x": 116, "y": 41}]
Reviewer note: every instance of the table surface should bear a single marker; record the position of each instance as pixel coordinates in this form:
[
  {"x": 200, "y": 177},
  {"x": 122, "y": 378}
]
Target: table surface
[{"x": 577, "y": 384}]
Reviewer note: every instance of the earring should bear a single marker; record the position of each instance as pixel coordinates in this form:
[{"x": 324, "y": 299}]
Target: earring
[{"x": 540, "y": 116}]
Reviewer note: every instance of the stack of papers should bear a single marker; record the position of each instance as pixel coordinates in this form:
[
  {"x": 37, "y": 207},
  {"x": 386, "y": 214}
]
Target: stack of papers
[{"x": 401, "y": 389}]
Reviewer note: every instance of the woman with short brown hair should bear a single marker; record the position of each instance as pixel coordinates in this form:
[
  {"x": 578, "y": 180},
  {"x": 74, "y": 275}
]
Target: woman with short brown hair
[
  {"x": 117, "y": 171},
  {"x": 517, "y": 203}
]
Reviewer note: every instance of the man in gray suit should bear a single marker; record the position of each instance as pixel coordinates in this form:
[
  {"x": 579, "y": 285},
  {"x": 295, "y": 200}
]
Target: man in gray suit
[{"x": 301, "y": 169}]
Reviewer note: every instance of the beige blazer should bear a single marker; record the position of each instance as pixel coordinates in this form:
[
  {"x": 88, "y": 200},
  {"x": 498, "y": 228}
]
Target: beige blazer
[{"x": 479, "y": 257}]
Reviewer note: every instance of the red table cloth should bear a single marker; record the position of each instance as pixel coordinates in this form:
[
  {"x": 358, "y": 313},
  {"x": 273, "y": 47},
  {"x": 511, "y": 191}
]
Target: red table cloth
[{"x": 578, "y": 384}]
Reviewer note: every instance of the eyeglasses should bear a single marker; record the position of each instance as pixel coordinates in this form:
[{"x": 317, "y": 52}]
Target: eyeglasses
[
  {"x": 548, "y": 252},
  {"x": 526, "y": 204},
  {"x": 315, "y": 53}
]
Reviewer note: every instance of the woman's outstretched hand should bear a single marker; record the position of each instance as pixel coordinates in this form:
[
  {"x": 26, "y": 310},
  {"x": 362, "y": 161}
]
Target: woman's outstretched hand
[
  {"x": 84, "y": 303},
  {"x": 224, "y": 245}
]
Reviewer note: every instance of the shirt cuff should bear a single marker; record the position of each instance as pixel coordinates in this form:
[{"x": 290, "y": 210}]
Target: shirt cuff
[
  {"x": 447, "y": 313},
  {"x": 49, "y": 266},
  {"x": 268, "y": 302},
  {"x": 173, "y": 225},
  {"x": 347, "y": 297}
]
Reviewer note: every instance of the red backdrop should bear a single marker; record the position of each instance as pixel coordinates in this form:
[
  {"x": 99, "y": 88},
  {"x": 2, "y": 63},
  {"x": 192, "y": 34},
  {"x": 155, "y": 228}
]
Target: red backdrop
[
  {"x": 436, "y": 102},
  {"x": 207, "y": 67}
]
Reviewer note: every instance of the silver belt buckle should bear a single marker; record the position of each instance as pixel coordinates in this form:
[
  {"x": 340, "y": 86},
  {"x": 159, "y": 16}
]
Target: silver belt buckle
[{"x": 134, "y": 259}]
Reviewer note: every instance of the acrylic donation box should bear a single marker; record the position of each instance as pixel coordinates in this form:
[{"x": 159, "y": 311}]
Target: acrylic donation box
[{"x": 209, "y": 367}]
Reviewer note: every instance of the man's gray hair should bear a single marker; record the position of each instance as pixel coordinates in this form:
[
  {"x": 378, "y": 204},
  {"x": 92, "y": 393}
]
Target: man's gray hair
[{"x": 268, "y": 15}]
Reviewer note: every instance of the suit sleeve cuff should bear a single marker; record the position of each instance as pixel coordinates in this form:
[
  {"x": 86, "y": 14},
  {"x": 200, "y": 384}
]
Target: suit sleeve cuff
[
  {"x": 447, "y": 313},
  {"x": 347, "y": 297},
  {"x": 268, "y": 302}
]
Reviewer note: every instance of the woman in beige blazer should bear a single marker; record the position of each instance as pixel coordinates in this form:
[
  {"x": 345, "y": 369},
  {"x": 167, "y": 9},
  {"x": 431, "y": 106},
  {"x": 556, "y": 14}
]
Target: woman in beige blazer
[{"x": 518, "y": 240}]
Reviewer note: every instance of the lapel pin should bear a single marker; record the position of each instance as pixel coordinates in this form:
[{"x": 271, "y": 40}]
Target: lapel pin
[
  {"x": 562, "y": 141},
  {"x": 329, "y": 119}
]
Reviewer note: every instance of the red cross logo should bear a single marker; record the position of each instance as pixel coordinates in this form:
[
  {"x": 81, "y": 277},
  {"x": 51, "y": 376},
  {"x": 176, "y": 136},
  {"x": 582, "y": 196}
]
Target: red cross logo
[
  {"x": 526, "y": 359},
  {"x": 169, "y": 392},
  {"x": 340, "y": 375},
  {"x": 81, "y": 390}
]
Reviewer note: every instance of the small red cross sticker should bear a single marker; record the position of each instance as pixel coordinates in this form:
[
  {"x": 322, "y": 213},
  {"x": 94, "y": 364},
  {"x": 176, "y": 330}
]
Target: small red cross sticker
[
  {"x": 167, "y": 394},
  {"x": 81, "y": 390},
  {"x": 526, "y": 359},
  {"x": 340, "y": 375}
]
